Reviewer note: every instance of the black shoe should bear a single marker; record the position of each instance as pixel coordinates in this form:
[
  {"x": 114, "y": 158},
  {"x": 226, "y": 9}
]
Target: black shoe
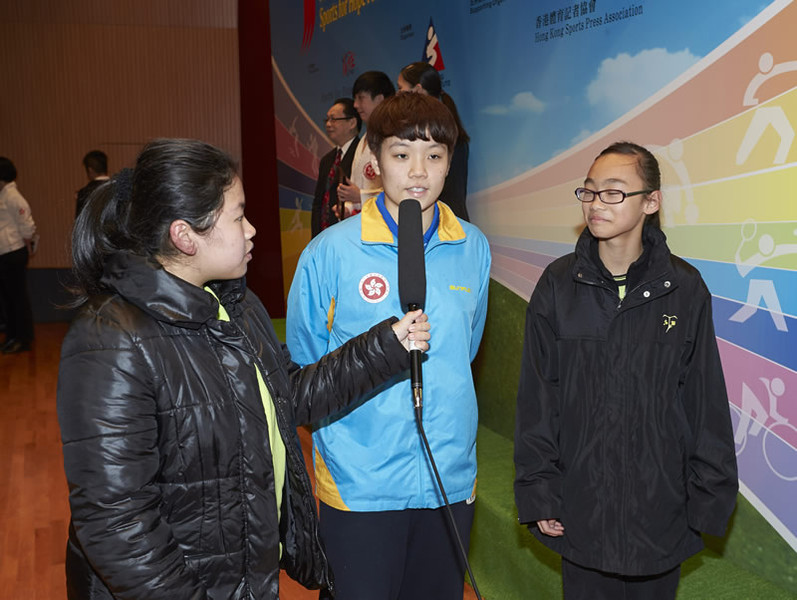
[
  {"x": 9, "y": 341},
  {"x": 15, "y": 346}
]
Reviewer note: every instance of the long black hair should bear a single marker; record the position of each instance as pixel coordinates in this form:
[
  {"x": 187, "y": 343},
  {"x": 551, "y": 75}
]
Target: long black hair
[
  {"x": 429, "y": 78},
  {"x": 647, "y": 167},
  {"x": 172, "y": 179}
]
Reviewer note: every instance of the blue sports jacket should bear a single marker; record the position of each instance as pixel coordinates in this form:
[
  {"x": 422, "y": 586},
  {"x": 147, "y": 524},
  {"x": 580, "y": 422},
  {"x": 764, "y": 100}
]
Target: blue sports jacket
[{"x": 370, "y": 456}]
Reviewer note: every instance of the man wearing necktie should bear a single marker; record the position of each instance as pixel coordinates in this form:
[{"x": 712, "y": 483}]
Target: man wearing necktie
[{"x": 342, "y": 123}]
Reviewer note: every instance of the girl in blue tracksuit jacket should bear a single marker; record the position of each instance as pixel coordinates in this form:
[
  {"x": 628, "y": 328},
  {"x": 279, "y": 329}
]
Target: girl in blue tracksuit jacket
[{"x": 381, "y": 515}]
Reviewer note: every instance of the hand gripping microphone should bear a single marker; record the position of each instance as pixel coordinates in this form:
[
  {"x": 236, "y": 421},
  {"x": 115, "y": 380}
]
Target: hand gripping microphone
[{"x": 412, "y": 281}]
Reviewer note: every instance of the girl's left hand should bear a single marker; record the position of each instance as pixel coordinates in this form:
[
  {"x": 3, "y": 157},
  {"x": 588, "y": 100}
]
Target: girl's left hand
[{"x": 413, "y": 327}]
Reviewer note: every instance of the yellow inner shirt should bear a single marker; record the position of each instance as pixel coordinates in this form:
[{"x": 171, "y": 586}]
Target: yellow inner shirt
[
  {"x": 621, "y": 281},
  {"x": 274, "y": 437}
]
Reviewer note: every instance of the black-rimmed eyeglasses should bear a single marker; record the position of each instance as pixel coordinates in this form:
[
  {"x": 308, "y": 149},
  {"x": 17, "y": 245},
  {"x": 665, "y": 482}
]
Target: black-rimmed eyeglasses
[
  {"x": 328, "y": 119},
  {"x": 607, "y": 196}
]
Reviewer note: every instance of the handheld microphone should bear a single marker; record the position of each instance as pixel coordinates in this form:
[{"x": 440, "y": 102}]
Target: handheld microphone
[
  {"x": 412, "y": 281},
  {"x": 412, "y": 295}
]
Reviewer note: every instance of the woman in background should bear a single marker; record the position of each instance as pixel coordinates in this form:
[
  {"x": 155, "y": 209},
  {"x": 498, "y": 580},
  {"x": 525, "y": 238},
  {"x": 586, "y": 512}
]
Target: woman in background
[
  {"x": 423, "y": 78},
  {"x": 17, "y": 244}
]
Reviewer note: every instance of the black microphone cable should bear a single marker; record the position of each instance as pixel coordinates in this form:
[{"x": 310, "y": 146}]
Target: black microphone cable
[
  {"x": 412, "y": 293},
  {"x": 419, "y": 421}
]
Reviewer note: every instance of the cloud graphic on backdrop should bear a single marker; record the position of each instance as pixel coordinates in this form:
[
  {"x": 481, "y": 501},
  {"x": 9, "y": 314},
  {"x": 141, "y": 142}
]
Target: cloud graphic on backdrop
[
  {"x": 582, "y": 135},
  {"x": 521, "y": 102},
  {"x": 624, "y": 81}
]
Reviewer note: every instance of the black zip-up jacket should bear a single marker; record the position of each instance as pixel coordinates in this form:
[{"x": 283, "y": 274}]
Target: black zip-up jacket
[
  {"x": 165, "y": 439},
  {"x": 623, "y": 427}
]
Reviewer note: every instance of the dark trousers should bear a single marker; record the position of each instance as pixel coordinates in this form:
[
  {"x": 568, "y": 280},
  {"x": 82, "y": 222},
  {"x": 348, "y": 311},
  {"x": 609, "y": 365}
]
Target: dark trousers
[
  {"x": 14, "y": 295},
  {"x": 587, "y": 584},
  {"x": 396, "y": 555}
]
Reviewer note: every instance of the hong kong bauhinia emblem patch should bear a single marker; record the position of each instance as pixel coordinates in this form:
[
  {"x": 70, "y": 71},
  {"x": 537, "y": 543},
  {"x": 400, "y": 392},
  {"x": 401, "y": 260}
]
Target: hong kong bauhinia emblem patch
[{"x": 374, "y": 288}]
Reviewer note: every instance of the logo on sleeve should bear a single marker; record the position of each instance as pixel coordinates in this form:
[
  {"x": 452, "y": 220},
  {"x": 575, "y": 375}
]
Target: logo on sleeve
[
  {"x": 669, "y": 322},
  {"x": 374, "y": 288}
]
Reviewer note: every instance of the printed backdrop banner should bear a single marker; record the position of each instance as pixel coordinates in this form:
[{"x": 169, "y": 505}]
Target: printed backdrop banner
[{"x": 542, "y": 87}]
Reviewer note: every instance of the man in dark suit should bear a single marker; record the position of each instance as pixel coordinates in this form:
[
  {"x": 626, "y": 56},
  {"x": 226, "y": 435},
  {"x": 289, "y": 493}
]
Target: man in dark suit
[
  {"x": 343, "y": 124},
  {"x": 96, "y": 164}
]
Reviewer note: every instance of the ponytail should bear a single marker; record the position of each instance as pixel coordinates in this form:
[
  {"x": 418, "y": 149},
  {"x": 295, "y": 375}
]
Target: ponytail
[{"x": 99, "y": 232}]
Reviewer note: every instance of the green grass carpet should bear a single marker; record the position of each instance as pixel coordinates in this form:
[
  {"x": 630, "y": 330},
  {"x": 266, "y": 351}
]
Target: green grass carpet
[{"x": 509, "y": 563}]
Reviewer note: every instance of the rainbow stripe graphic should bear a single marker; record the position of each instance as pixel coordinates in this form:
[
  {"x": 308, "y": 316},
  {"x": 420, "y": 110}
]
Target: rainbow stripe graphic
[
  {"x": 723, "y": 131},
  {"x": 300, "y": 144},
  {"x": 724, "y": 135}
]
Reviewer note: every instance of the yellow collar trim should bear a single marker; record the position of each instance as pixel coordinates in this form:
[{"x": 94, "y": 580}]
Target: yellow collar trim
[
  {"x": 450, "y": 229},
  {"x": 373, "y": 226},
  {"x": 375, "y": 230}
]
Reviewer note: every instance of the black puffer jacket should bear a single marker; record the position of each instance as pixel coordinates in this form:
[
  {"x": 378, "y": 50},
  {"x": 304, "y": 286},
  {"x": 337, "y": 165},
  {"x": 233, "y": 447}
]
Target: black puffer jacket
[
  {"x": 166, "y": 443},
  {"x": 623, "y": 426}
]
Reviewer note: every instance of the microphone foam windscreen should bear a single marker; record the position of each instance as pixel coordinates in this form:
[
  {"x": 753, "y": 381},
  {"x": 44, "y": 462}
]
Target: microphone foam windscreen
[{"x": 411, "y": 265}]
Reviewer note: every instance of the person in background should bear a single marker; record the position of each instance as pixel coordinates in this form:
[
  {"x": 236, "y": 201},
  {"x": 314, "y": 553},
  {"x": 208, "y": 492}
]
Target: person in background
[
  {"x": 383, "y": 519},
  {"x": 178, "y": 405},
  {"x": 17, "y": 244},
  {"x": 342, "y": 123},
  {"x": 96, "y": 165},
  {"x": 369, "y": 89},
  {"x": 423, "y": 78},
  {"x": 624, "y": 449}
]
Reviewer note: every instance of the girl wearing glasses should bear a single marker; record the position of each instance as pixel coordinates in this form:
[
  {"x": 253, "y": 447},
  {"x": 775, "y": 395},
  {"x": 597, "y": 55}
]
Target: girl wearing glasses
[{"x": 624, "y": 450}]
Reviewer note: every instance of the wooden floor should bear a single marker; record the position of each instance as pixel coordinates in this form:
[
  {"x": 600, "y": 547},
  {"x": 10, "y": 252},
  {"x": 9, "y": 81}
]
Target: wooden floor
[
  {"x": 34, "y": 511},
  {"x": 34, "y": 514}
]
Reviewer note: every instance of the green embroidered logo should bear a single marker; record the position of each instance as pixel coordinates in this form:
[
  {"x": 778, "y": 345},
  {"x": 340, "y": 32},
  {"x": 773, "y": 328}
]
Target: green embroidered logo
[{"x": 669, "y": 322}]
